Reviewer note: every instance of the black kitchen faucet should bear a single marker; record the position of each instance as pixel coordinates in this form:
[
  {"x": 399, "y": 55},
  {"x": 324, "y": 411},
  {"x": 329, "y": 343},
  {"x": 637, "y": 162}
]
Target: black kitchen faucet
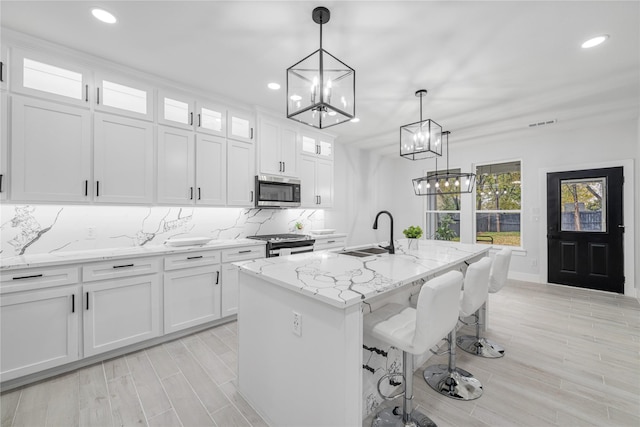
[{"x": 390, "y": 248}]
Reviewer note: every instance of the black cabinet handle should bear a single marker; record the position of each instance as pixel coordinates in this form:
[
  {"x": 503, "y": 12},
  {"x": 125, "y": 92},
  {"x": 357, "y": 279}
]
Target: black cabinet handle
[
  {"x": 73, "y": 303},
  {"x": 97, "y": 188},
  {"x": 98, "y": 95},
  {"x": 87, "y": 300},
  {"x": 123, "y": 266},
  {"x": 86, "y": 187},
  {"x": 245, "y": 252},
  {"x": 1, "y": 176},
  {"x": 191, "y": 118},
  {"x": 199, "y": 194},
  {"x": 1, "y": 71},
  {"x": 284, "y": 166},
  {"x": 199, "y": 121},
  {"x": 280, "y": 168},
  {"x": 86, "y": 93},
  {"x": 217, "y": 277},
  {"x": 251, "y": 134},
  {"x": 194, "y": 257},
  {"x": 190, "y": 193},
  {"x": 27, "y": 277},
  {"x": 252, "y": 196},
  {"x": 331, "y": 241}
]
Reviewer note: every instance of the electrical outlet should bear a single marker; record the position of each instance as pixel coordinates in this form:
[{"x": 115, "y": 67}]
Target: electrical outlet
[
  {"x": 534, "y": 262},
  {"x": 296, "y": 326},
  {"x": 91, "y": 233}
]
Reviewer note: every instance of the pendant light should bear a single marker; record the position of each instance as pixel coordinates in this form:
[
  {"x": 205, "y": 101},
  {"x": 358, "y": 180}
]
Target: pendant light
[
  {"x": 444, "y": 182},
  {"x": 321, "y": 88},
  {"x": 421, "y": 140}
]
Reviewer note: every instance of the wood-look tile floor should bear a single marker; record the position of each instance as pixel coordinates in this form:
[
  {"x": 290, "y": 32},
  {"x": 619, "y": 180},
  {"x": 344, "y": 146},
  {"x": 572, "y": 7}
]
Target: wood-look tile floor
[{"x": 572, "y": 359}]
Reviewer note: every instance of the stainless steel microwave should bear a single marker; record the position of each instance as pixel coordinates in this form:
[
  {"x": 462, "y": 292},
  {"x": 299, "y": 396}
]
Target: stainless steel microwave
[{"x": 277, "y": 192}]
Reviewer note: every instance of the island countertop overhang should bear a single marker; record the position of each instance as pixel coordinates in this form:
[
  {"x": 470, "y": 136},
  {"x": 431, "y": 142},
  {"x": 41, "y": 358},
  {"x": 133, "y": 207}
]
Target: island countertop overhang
[{"x": 343, "y": 280}]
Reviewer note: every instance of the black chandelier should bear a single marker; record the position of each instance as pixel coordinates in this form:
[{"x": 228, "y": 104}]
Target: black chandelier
[
  {"x": 321, "y": 88},
  {"x": 446, "y": 181},
  {"x": 421, "y": 140}
]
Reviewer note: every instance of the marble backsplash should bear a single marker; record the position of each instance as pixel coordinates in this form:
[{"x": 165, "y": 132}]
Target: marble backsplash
[{"x": 36, "y": 229}]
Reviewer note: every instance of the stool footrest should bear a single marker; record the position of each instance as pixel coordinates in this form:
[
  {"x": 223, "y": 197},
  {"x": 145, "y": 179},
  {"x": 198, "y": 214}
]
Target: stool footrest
[{"x": 388, "y": 418}]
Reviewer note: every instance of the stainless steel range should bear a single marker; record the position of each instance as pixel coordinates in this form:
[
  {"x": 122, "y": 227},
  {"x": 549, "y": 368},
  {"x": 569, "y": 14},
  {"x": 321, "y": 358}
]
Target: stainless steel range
[{"x": 297, "y": 243}]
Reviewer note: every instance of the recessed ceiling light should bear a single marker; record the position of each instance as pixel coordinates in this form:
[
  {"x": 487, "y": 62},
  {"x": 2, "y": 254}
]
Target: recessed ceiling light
[
  {"x": 104, "y": 16},
  {"x": 273, "y": 86},
  {"x": 295, "y": 98},
  {"x": 595, "y": 41},
  {"x": 355, "y": 120}
]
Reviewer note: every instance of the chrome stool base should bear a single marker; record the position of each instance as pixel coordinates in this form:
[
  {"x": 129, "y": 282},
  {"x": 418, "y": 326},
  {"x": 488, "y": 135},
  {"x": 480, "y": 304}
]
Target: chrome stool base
[
  {"x": 480, "y": 346},
  {"x": 392, "y": 417},
  {"x": 458, "y": 384}
]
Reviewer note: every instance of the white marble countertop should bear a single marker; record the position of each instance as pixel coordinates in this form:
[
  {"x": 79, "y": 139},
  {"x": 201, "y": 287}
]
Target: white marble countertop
[
  {"x": 72, "y": 257},
  {"x": 343, "y": 280},
  {"x": 327, "y": 236}
]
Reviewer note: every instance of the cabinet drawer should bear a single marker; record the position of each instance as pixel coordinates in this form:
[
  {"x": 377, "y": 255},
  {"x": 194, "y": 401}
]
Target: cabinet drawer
[
  {"x": 334, "y": 243},
  {"x": 37, "y": 278},
  {"x": 120, "y": 268},
  {"x": 191, "y": 259},
  {"x": 244, "y": 253}
]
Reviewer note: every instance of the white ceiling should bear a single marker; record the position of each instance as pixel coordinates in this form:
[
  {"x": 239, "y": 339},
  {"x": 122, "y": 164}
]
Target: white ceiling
[{"x": 490, "y": 67}]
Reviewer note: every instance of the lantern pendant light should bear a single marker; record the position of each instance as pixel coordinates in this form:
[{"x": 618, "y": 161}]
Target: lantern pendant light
[
  {"x": 321, "y": 88},
  {"x": 423, "y": 139}
]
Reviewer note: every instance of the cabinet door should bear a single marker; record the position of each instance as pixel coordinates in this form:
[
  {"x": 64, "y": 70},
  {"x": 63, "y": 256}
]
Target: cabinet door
[
  {"x": 176, "y": 162},
  {"x": 4, "y": 135},
  {"x": 211, "y": 170},
  {"x": 289, "y": 151},
  {"x": 119, "y": 95},
  {"x": 324, "y": 183},
  {"x": 241, "y": 125},
  {"x": 50, "y": 151},
  {"x": 241, "y": 173},
  {"x": 308, "y": 196},
  {"x": 175, "y": 110},
  {"x": 309, "y": 145},
  {"x": 229, "y": 290},
  {"x": 269, "y": 148},
  {"x": 325, "y": 148},
  {"x": 191, "y": 297},
  {"x": 121, "y": 312},
  {"x": 211, "y": 118},
  {"x": 39, "y": 330},
  {"x": 47, "y": 76},
  {"x": 123, "y": 159}
]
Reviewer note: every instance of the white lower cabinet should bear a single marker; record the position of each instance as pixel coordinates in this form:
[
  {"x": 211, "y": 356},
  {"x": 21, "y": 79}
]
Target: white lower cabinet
[
  {"x": 120, "y": 312},
  {"x": 191, "y": 297},
  {"x": 324, "y": 243},
  {"x": 39, "y": 330},
  {"x": 230, "y": 275}
]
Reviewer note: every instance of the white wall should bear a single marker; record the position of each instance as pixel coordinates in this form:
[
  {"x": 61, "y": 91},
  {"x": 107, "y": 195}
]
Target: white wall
[{"x": 560, "y": 146}]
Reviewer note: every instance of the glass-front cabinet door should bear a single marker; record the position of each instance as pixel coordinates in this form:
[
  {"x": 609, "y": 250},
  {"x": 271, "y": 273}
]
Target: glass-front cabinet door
[
  {"x": 46, "y": 76},
  {"x": 175, "y": 110},
  {"x": 123, "y": 96},
  {"x": 241, "y": 125},
  {"x": 211, "y": 118}
]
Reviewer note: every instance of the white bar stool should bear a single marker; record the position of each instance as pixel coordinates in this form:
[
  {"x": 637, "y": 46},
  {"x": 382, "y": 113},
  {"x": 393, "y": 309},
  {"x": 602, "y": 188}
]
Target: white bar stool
[
  {"x": 475, "y": 344},
  {"x": 414, "y": 331},
  {"x": 448, "y": 379}
]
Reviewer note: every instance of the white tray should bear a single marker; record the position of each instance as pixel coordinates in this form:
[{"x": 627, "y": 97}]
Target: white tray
[
  {"x": 188, "y": 241},
  {"x": 324, "y": 231}
]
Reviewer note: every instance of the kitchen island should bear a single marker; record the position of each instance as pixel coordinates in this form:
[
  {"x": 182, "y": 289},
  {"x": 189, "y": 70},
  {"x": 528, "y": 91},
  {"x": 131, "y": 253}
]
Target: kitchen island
[{"x": 300, "y": 325}]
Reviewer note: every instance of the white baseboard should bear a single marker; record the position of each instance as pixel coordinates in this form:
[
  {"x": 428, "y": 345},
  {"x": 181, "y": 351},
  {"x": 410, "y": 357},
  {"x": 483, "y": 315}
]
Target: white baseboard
[{"x": 525, "y": 277}]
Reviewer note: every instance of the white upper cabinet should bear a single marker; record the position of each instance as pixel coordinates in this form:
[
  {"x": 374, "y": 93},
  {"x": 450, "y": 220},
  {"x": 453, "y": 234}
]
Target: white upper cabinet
[
  {"x": 278, "y": 148},
  {"x": 316, "y": 176},
  {"x": 176, "y": 165},
  {"x": 123, "y": 160},
  {"x": 210, "y": 118},
  {"x": 46, "y": 76},
  {"x": 4, "y": 135},
  {"x": 317, "y": 145},
  {"x": 240, "y": 125},
  {"x": 241, "y": 174},
  {"x": 175, "y": 110},
  {"x": 123, "y": 96},
  {"x": 50, "y": 151},
  {"x": 211, "y": 170}
]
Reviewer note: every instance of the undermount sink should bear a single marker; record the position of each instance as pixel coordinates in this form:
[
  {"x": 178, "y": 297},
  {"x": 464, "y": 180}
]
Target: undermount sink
[{"x": 364, "y": 252}]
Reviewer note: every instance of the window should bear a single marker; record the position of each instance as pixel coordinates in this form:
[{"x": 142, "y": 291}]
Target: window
[
  {"x": 443, "y": 216},
  {"x": 51, "y": 79},
  {"x": 582, "y": 201},
  {"x": 498, "y": 204}
]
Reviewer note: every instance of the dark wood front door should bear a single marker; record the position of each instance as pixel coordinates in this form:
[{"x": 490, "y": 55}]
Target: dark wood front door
[{"x": 585, "y": 229}]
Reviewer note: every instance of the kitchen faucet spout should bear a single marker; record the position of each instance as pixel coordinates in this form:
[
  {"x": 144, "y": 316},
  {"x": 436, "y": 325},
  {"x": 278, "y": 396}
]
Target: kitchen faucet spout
[{"x": 390, "y": 248}]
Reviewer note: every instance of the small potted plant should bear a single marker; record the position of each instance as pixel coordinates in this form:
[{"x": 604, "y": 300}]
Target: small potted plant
[
  {"x": 413, "y": 233},
  {"x": 299, "y": 226}
]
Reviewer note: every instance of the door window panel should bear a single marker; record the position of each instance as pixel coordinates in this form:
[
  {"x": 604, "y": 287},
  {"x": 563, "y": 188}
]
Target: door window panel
[{"x": 582, "y": 202}]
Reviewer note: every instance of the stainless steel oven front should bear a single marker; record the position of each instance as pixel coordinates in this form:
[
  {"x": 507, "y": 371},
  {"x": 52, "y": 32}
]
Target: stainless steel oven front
[{"x": 277, "y": 192}]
